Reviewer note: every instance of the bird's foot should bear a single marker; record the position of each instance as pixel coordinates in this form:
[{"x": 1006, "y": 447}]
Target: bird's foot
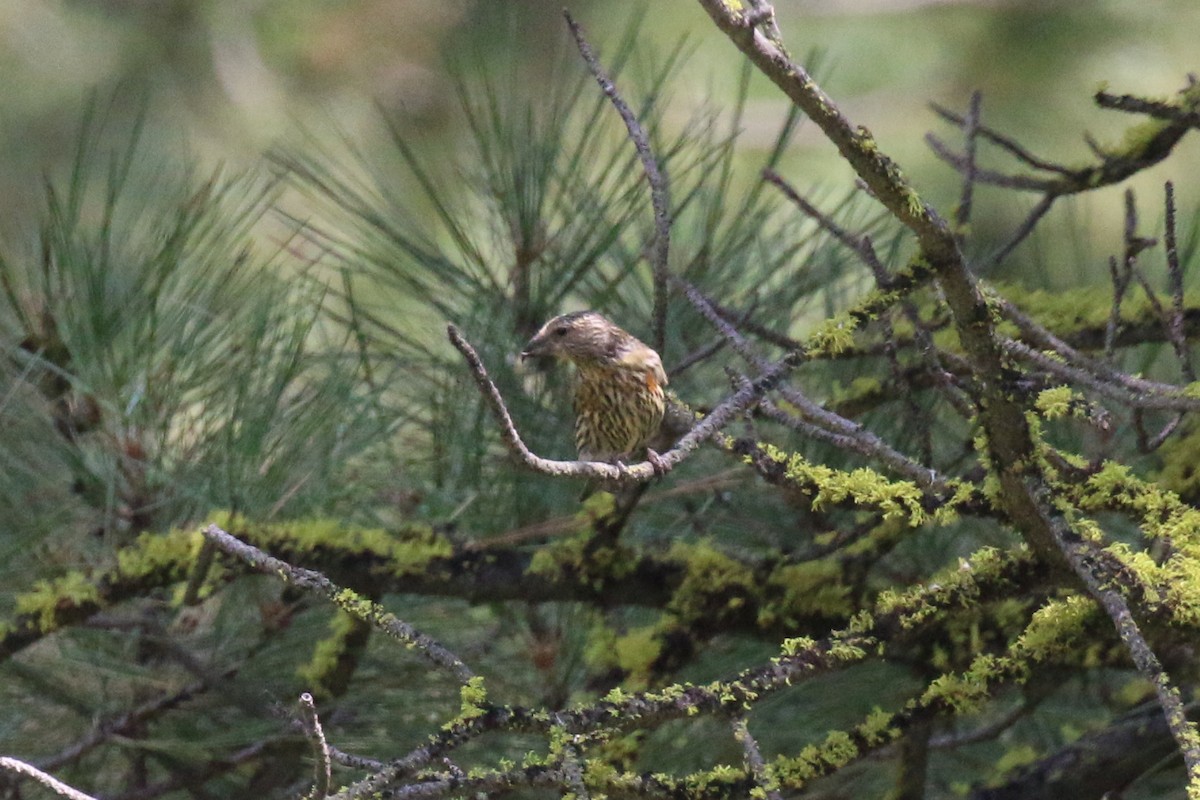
[{"x": 656, "y": 463}]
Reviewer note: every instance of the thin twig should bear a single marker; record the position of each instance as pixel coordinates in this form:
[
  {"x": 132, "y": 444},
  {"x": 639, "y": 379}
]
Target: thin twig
[
  {"x": 106, "y": 729},
  {"x": 1004, "y": 180},
  {"x": 962, "y": 215},
  {"x": 572, "y": 772},
  {"x": 323, "y": 769},
  {"x": 9, "y": 764},
  {"x": 1158, "y": 397},
  {"x": 1111, "y": 382},
  {"x": 660, "y": 197},
  {"x": 1009, "y": 145},
  {"x": 353, "y": 761},
  {"x": 1120, "y": 282},
  {"x": 1175, "y": 279},
  {"x": 984, "y": 732},
  {"x": 1020, "y": 234},
  {"x": 753, "y": 757},
  {"x": 860, "y": 245},
  {"x": 351, "y": 603}
]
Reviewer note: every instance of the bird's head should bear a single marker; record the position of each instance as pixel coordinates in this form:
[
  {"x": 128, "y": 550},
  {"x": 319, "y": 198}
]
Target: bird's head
[{"x": 581, "y": 337}]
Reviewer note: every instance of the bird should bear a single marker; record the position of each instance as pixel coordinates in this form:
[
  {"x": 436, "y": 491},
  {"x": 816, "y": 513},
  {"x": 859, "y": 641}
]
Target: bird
[{"x": 620, "y": 384}]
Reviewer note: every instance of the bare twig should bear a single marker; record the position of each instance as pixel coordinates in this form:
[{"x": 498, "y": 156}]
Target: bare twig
[
  {"x": 1153, "y": 397},
  {"x": 353, "y": 761},
  {"x": 1120, "y": 282},
  {"x": 17, "y": 767},
  {"x": 1020, "y": 234},
  {"x": 106, "y": 729},
  {"x": 1175, "y": 279},
  {"x": 962, "y": 215},
  {"x": 859, "y": 245},
  {"x": 984, "y": 732},
  {"x": 960, "y": 163},
  {"x": 323, "y": 769},
  {"x": 1078, "y": 367},
  {"x": 349, "y": 602},
  {"x": 1008, "y": 144},
  {"x": 660, "y": 197}
]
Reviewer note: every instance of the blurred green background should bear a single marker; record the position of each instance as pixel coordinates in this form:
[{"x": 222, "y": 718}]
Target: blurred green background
[{"x": 233, "y": 77}]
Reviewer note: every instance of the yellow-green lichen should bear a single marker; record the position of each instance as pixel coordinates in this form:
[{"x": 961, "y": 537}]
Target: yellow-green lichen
[
  {"x": 1054, "y": 628},
  {"x": 877, "y": 728},
  {"x": 710, "y": 577},
  {"x": 1181, "y": 463},
  {"x": 864, "y": 487},
  {"x": 49, "y": 598},
  {"x": 153, "y": 552},
  {"x": 797, "y": 645},
  {"x": 568, "y": 556},
  {"x": 633, "y": 653},
  {"x": 832, "y": 337},
  {"x": 328, "y": 653},
  {"x": 805, "y": 589},
  {"x": 1017, "y": 756},
  {"x": 813, "y": 761},
  {"x": 472, "y": 696},
  {"x": 1054, "y": 403}
]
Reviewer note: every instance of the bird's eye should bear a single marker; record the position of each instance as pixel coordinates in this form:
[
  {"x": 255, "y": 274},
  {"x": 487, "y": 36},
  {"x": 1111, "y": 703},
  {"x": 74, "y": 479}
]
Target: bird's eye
[{"x": 562, "y": 331}]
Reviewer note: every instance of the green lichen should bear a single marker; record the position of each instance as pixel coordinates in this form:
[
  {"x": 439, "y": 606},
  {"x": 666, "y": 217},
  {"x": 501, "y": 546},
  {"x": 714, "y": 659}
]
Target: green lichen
[
  {"x": 805, "y": 589},
  {"x": 1160, "y": 512},
  {"x": 408, "y": 550},
  {"x": 965, "y": 693},
  {"x": 1180, "y": 455},
  {"x": 327, "y": 654},
  {"x": 814, "y": 760},
  {"x": 472, "y": 696},
  {"x": 151, "y": 553},
  {"x": 912, "y": 200},
  {"x": 864, "y": 487},
  {"x": 796, "y": 645},
  {"x": 1054, "y": 628},
  {"x": 712, "y": 581},
  {"x": 1054, "y": 403},
  {"x": 560, "y": 558},
  {"x": 1017, "y": 756},
  {"x": 877, "y": 728},
  {"x": 833, "y": 337},
  {"x": 49, "y": 598},
  {"x": 633, "y": 653}
]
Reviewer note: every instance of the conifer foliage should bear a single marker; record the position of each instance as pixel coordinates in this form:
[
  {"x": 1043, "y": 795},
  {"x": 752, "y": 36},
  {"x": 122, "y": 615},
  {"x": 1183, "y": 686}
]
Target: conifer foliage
[{"x": 285, "y": 515}]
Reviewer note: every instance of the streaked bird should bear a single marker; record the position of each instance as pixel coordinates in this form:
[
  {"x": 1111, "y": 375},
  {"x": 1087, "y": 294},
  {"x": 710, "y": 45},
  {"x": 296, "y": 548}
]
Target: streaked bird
[{"x": 619, "y": 388}]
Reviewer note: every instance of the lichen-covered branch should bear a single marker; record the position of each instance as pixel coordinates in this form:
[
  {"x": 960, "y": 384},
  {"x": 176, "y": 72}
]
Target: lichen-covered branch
[{"x": 347, "y": 600}]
